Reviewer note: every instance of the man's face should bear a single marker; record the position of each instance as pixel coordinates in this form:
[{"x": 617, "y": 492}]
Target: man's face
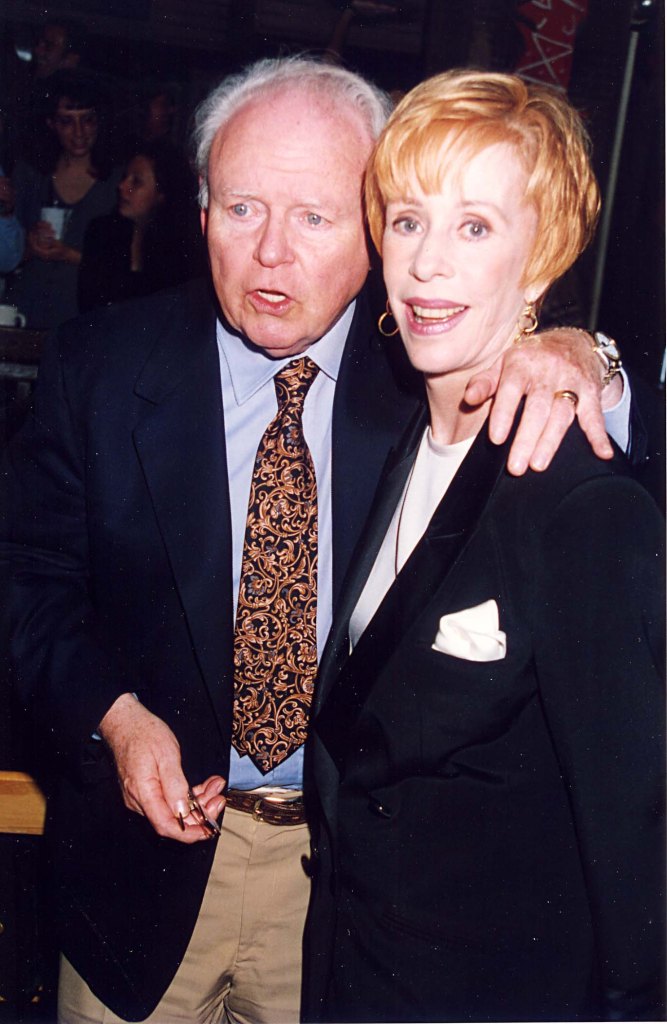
[
  {"x": 284, "y": 223},
  {"x": 51, "y": 51}
]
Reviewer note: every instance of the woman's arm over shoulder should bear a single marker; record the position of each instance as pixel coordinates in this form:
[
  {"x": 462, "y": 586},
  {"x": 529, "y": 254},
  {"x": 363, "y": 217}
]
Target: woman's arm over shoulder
[{"x": 599, "y": 641}]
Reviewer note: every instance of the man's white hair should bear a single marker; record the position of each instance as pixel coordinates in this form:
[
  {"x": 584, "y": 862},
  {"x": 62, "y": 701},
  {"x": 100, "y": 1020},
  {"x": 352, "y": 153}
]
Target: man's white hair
[{"x": 338, "y": 85}]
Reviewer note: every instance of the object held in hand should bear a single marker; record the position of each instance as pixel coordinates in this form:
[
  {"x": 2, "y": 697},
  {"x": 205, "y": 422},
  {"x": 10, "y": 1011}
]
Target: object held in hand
[{"x": 196, "y": 810}]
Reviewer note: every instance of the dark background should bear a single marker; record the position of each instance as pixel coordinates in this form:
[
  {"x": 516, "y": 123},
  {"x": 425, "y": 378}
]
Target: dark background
[{"x": 190, "y": 45}]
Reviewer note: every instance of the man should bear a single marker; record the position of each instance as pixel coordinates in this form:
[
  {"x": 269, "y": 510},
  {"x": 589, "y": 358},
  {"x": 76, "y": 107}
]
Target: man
[
  {"x": 60, "y": 45},
  {"x": 132, "y": 483}
]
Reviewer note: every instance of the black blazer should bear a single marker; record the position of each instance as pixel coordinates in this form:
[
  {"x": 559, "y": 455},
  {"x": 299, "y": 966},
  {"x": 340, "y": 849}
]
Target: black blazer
[
  {"x": 120, "y": 542},
  {"x": 489, "y": 843}
]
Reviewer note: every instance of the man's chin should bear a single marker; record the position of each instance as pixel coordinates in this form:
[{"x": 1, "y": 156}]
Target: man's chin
[{"x": 279, "y": 347}]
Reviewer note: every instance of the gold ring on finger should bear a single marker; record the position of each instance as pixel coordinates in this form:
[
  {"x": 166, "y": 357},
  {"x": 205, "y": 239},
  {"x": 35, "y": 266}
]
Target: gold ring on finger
[{"x": 569, "y": 396}]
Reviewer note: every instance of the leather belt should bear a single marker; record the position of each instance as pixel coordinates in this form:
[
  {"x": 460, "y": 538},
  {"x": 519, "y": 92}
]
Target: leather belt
[{"x": 280, "y": 808}]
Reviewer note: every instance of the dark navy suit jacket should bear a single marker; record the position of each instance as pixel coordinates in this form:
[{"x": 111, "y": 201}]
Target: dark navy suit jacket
[{"x": 120, "y": 541}]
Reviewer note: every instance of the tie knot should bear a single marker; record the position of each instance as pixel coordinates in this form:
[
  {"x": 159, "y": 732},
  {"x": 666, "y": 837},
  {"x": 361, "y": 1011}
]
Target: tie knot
[{"x": 293, "y": 381}]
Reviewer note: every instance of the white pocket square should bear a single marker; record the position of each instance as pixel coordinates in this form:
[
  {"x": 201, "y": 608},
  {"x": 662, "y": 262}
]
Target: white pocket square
[{"x": 472, "y": 634}]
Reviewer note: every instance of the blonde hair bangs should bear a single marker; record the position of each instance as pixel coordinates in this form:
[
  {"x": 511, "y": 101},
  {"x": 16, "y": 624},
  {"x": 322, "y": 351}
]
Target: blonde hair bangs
[{"x": 447, "y": 119}]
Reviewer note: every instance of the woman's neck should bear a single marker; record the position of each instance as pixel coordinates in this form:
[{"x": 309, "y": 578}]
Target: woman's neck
[
  {"x": 73, "y": 177},
  {"x": 74, "y": 165},
  {"x": 452, "y": 420}
]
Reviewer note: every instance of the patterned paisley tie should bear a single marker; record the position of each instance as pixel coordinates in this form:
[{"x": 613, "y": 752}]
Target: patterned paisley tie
[{"x": 275, "y": 638}]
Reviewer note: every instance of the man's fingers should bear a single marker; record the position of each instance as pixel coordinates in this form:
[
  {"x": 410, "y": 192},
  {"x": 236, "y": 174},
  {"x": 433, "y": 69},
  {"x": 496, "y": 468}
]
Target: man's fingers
[
  {"x": 591, "y": 421},
  {"x": 483, "y": 385},
  {"x": 211, "y": 787},
  {"x": 505, "y": 405},
  {"x": 558, "y": 423},
  {"x": 542, "y": 425},
  {"x": 148, "y": 761}
]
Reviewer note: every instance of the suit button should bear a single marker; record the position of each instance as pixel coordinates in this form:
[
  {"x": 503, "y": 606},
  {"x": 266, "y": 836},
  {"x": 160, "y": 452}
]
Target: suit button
[{"x": 377, "y": 808}]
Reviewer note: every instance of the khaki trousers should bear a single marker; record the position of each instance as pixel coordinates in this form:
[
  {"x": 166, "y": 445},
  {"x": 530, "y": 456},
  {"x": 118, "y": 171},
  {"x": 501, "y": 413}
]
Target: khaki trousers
[{"x": 243, "y": 963}]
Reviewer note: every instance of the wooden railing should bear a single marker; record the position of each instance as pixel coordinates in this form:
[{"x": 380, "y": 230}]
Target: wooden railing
[{"x": 22, "y": 804}]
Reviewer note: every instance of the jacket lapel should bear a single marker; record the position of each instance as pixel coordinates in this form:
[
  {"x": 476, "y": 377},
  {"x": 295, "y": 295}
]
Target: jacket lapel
[
  {"x": 396, "y": 470},
  {"x": 377, "y": 393},
  {"x": 180, "y": 444},
  {"x": 445, "y": 539}
]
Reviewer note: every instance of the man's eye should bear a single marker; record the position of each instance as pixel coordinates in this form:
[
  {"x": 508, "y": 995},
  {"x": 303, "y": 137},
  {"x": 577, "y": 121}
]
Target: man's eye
[
  {"x": 314, "y": 219},
  {"x": 240, "y": 209}
]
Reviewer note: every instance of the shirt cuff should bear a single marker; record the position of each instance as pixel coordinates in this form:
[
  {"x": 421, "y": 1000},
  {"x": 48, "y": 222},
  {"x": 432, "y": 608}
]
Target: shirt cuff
[{"x": 617, "y": 419}]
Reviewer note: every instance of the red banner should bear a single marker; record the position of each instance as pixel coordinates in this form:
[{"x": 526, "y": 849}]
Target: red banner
[{"x": 549, "y": 31}]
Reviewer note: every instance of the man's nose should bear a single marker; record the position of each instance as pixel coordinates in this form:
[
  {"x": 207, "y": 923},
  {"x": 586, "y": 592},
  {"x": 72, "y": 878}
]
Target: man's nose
[{"x": 273, "y": 244}]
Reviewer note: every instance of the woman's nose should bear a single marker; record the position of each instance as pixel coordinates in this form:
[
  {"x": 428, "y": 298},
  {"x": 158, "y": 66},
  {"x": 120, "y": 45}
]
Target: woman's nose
[{"x": 432, "y": 259}]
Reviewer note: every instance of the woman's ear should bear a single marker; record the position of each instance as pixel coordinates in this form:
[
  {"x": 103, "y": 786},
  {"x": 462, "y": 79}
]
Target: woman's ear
[{"x": 535, "y": 291}]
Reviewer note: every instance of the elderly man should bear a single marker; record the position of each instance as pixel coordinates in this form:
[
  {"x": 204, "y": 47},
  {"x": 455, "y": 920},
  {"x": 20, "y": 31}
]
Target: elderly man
[{"x": 171, "y": 595}]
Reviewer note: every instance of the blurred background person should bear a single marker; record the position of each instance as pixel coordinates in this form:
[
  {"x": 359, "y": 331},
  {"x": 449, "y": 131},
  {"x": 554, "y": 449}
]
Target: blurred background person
[
  {"x": 12, "y": 236},
  {"x": 59, "y": 47},
  {"x": 73, "y": 174},
  {"x": 152, "y": 240}
]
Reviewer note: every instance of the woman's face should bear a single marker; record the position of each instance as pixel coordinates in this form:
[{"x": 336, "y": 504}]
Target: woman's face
[
  {"x": 76, "y": 130},
  {"x": 454, "y": 263},
  {"x": 138, "y": 194}
]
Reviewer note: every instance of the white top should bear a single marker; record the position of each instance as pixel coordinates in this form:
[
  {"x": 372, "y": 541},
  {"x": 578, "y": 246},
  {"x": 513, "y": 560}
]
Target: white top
[{"x": 433, "y": 470}]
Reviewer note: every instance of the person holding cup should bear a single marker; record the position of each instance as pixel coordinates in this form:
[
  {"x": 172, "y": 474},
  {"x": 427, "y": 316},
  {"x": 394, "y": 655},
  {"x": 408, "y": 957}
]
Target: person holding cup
[{"x": 57, "y": 200}]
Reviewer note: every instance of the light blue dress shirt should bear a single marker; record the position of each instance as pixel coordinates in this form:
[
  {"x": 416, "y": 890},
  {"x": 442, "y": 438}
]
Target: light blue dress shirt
[{"x": 249, "y": 403}]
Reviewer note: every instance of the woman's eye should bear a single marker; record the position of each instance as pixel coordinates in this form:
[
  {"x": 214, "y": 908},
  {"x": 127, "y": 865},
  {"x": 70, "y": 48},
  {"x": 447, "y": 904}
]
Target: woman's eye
[
  {"x": 405, "y": 225},
  {"x": 476, "y": 229}
]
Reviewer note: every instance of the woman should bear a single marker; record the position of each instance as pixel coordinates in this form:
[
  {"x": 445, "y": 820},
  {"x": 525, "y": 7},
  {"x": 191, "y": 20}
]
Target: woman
[
  {"x": 73, "y": 176},
  {"x": 153, "y": 240},
  {"x": 492, "y": 851}
]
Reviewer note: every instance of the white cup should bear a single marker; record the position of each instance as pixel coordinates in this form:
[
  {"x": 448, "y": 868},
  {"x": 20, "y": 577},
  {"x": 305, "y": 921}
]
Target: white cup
[
  {"x": 10, "y": 317},
  {"x": 56, "y": 216}
]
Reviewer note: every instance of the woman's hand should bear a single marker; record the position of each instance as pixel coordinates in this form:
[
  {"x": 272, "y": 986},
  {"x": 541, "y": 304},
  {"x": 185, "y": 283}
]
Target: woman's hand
[{"x": 43, "y": 244}]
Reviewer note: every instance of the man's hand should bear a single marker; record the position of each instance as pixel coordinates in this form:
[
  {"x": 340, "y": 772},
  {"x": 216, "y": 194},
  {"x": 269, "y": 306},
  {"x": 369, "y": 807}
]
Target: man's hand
[
  {"x": 539, "y": 367},
  {"x": 148, "y": 762}
]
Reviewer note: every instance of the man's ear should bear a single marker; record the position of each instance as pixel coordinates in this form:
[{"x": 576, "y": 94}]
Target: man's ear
[{"x": 203, "y": 219}]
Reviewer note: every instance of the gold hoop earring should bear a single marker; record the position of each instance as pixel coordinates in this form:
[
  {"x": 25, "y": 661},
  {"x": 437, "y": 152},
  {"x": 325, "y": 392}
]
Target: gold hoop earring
[
  {"x": 526, "y": 324},
  {"x": 386, "y": 334}
]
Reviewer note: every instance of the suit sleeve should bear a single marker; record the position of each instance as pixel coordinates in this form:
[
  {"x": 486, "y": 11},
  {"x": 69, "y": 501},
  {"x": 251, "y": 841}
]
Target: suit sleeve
[
  {"x": 599, "y": 649},
  {"x": 66, "y": 675}
]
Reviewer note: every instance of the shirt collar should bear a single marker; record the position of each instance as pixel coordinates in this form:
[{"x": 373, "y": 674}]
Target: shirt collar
[{"x": 250, "y": 368}]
